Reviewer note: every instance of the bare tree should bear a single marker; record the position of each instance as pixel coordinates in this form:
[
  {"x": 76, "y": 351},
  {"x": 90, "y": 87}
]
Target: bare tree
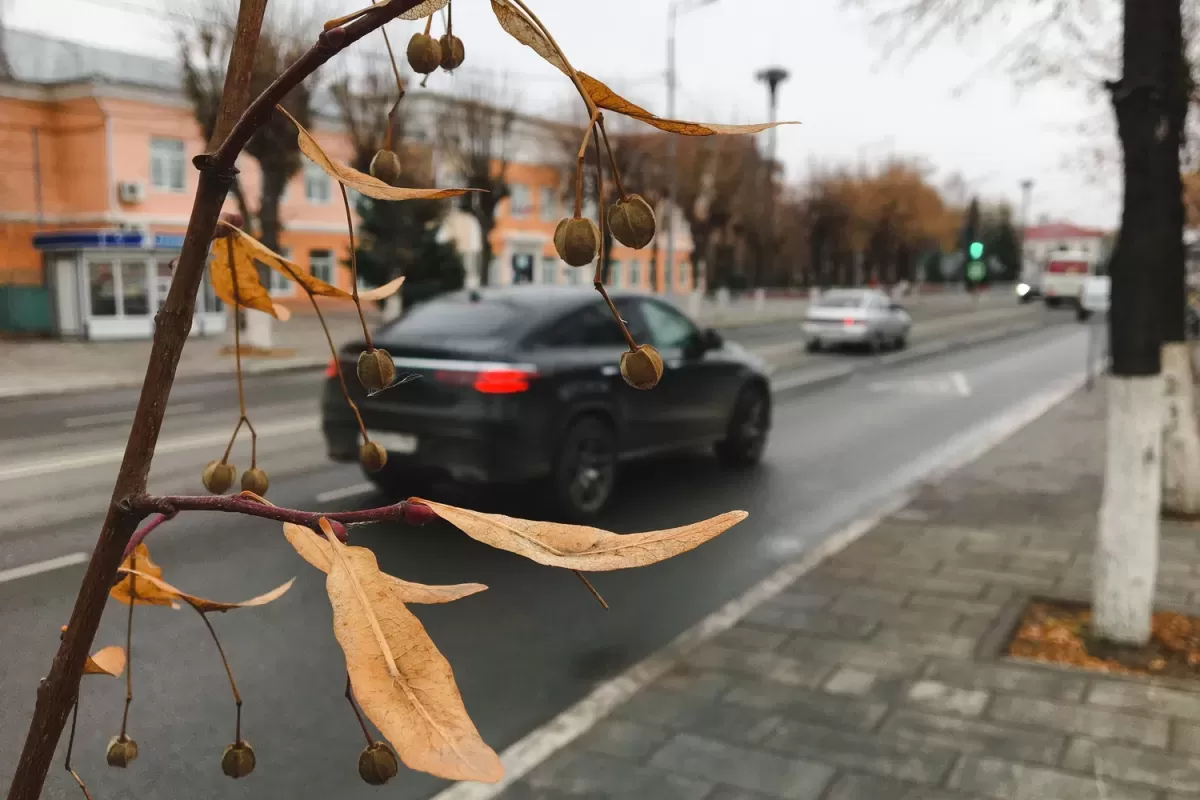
[{"x": 477, "y": 136}]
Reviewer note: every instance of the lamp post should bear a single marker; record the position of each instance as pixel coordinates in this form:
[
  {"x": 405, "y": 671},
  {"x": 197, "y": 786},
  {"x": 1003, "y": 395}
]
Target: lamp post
[
  {"x": 1026, "y": 191},
  {"x": 674, "y": 8},
  {"x": 772, "y": 77}
]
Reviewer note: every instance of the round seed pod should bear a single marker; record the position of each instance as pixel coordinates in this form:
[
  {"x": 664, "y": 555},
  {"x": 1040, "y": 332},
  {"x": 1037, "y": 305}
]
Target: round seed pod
[
  {"x": 238, "y": 760},
  {"x": 453, "y": 54},
  {"x": 376, "y": 370},
  {"x": 372, "y": 457},
  {"x": 642, "y": 368},
  {"x": 255, "y": 480},
  {"x": 424, "y": 53},
  {"x": 122, "y": 751},
  {"x": 632, "y": 221},
  {"x": 218, "y": 476},
  {"x": 386, "y": 167},
  {"x": 377, "y": 764},
  {"x": 577, "y": 241}
]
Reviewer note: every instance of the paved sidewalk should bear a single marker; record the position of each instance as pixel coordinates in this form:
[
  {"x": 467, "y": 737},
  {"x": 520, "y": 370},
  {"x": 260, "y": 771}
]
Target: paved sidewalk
[{"x": 870, "y": 677}]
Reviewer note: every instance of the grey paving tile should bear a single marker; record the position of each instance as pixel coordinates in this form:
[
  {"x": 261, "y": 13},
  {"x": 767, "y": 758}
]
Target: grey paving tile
[
  {"x": 769, "y": 665},
  {"x": 894, "y": 660},
  {"x": 1001, "y": 577},
  {"x": 1084, "y": 720},
  {"x": 863, "y": 787},
  {"x": 920, "y": 763},
  {"x": 973, "y": 736},
  {"x": 851, "y": 681},
  {"x": 708, "y": 760},
  {"x": 1185, "y": 737},
  {"x": 849, "y": 713},
  {"x": 748, "y": 637},
  {"x": 624, "y": 738},
  {"x": 931, "y": 642},
  {"x": 1147, "y": 698},
  {"x": 819, "y": 622},
  {"x": 579, "y": 773},
  {"x": 1007, "y": 677},
  {"x": 1134, "y": 765},
  {"x": 943, "y": 698},
  {"x": 960, "y": 604},
  {"x": 1006, "y": 780}
]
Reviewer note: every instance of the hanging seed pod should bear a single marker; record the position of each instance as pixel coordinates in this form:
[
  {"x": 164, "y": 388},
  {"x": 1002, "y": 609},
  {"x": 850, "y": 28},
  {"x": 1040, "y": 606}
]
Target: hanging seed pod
[
  {"x": 218, "y": 476},
  {"x": 372, "y": 457},
  {"x": 453, "y": 54},
  {"x": 642, "y": 368},
  {"x": 377, "y": 764},
  {"x": 376, "y": 370},
  {"x": 238, "y": 760},
  {"x": 424, "y": 53},
  {"x": 386, "y": 167},
  {"x": 632, "y": 221},
  {"x": 255, "y": 480},
  {"x": 577, "y": 241},
  {"x": 122, "y": 751}
]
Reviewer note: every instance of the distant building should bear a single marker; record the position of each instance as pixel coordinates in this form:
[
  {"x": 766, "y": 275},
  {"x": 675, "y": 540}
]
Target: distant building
[{"x": 97, "y": 187}]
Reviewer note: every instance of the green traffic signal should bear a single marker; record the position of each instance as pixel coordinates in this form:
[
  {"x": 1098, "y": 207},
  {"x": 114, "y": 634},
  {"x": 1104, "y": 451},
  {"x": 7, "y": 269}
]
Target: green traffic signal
[{"x": 976, "y": 249}]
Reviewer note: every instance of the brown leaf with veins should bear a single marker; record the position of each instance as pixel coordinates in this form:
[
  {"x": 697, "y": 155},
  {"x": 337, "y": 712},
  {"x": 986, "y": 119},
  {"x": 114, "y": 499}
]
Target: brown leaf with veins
[
  {"x": 257, "y": 251},
  {"x": 318, "y": 552},
  {"x": 580, "y": 547},
  {"x": 250, "y": 291},
  {"x": 147, "y": 593},
  {"x": 401, "y": 681},
  {"x": 424, "y": 9},
  {"x": 106, "y": 661},
  {"x": 205, "y": 606},
  {"x": 520, "y": 27},
  {"x": 361, "y": 182}
]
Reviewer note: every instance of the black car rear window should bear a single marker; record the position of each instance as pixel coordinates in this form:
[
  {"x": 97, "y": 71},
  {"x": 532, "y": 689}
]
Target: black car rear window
[{"x": 455, "y": 318}]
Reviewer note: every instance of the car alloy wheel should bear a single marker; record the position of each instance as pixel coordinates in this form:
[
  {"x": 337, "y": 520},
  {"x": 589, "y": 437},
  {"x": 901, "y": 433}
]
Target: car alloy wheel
[
  {"x": 586, "y": 468},
  {"x": 746, "y": 438}
]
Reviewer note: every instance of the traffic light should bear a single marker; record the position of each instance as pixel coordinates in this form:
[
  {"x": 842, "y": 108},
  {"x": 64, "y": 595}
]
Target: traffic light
[{"x": 976, "y": 250}]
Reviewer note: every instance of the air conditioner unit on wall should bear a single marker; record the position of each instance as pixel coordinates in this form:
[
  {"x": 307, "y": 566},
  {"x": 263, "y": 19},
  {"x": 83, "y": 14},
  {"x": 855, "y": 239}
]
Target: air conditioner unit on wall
[{"x": 131, "y": 192}]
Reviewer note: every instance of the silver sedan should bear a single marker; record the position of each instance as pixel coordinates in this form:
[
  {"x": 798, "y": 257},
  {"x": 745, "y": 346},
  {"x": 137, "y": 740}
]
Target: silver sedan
[{"x": 863, "y": 317}]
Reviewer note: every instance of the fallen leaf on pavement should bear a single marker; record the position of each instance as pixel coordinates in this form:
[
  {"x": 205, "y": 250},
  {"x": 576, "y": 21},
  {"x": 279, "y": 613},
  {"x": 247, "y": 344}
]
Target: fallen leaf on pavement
[
  {"x": 578, "y": 546},
  {"x": 205, "y": 606},
  {"x": 401, "y": 681},
  {"x": 319, "y": 553}
]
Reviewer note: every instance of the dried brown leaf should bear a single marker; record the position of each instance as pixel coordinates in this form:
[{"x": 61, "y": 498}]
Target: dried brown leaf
[
  {"x": 319, "y": 553},
  {"x": 205, "y": 606},
  {"x": 147, "y": 593},
  {"x": 106, "y": 661},
  {"x": 578, "y": 546},
  {"x": 514, "y": 21},
  {"x": 250, "y": 291},
  {"x": 424, "y": 9},
  {"x": 401, "y": 681},
  {"x": 255, "y": 250},
  {"x": 361, "y": 182}
]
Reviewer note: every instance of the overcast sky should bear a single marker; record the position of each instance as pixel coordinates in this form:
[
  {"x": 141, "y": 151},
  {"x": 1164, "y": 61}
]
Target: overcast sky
[{"x": 853, "y": 104}]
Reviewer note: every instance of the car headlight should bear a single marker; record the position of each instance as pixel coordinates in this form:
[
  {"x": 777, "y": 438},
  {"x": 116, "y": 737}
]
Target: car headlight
[{"x": 1022, "y": 289}]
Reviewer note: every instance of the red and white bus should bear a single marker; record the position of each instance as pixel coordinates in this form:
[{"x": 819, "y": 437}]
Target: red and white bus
[{"x": 1064, "y": 275}]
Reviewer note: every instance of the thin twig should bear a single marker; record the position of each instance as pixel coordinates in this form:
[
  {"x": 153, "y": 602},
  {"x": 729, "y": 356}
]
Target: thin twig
[
  {"x": 362, "y": 722},
  {"x": 71, "y": 747},
  {"x": 579, "y": 159},
  {"x": 354, "y": 268},
  {"x": 237, "y": 698},
  {"x": 237, "y": 342},
  {"x": 598, "y": 279},
  {"x": 144, "y": 531},
  {"x": 129, "y": 644},
  {"x": 232, "y": 439},
  {"x": 338, "y": 364},
  {"x": 591, "y": 588},
  {"x": 612, "y": 161}
]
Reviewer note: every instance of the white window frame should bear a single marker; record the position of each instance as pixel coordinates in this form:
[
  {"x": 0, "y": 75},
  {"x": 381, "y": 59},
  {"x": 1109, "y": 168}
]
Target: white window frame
[
  {"x": 325, "y": 259},
  {"x": 549, "y": 204},
  {"x": 315, "y": 177},
  {"x": 549, "y": 271},
  {"x": 635, "y": 273},
  {"x": 616, "y": 269},
  {"x": 278, "y": 284},
  {"x": 168, "y": 164},
  {"x": 519, "y": 210}
]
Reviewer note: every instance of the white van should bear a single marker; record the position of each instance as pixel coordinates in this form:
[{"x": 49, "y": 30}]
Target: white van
[{"x": 1064, "y": 276}]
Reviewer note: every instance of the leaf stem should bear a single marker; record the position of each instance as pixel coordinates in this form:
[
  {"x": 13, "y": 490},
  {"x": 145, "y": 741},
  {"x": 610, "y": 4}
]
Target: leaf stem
[
  {"x": 129, "y": 645},
  {"x": 598, "y": 278},
  {"x": 361, "y": 722},
  {"x": 237, "y": 698},
  {"x": 591, "y": 588},
  {"x": 611, "y": 158},
  {"x": 362, "y": 428},
  {"x": 354, "y": 268},
  {"x": 232, "y": 439},
  {"x": 238, "y": 315},
  {"x": 579, "y": 159},
  {"x": 71, "y": 746}
]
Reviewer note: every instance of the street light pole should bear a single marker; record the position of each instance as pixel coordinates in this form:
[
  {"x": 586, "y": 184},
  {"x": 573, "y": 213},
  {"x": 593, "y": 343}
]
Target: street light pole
[
  {"x": 1026, "y": 191},
  {"x": 772, "y": 77}
]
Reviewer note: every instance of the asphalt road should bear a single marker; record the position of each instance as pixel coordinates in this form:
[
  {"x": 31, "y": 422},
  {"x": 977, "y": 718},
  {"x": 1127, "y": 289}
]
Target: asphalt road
[{"x": 522, "y": 651}]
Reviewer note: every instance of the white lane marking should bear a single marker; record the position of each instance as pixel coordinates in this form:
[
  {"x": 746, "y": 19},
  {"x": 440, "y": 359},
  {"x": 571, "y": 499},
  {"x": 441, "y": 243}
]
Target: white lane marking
[
  {"x": 123, "y": 416},
  {"x": 960, "y": 383},
  {"x": 114, "y": 455},
  {"x": 50, "y": 564},
  {"x": 520, "y": 758},
  {"x": 343, "y": 493}
]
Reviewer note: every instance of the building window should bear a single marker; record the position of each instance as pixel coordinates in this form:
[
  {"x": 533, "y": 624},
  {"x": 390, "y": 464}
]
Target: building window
[
  {"x": 278, "y": 284},
  {"x": 635, "y": 274},
  {"x": 549, "y": 205},
  {"x": 320, "y": 264},
  {"x": 614, "y": 274},
  {"x": 684, "y": 274},
  {"x": 167, "y": 164},
  {"x": 549, "y": 270},
  {"x": 518, "y": 201},
  {"x": 317, "y": 189},
  {"x": 571, "y": 274},
  {"x": 102, "y": 286}
]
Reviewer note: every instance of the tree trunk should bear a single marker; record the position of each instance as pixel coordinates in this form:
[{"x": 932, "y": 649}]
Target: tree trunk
[
  {"x": 1126, "y": 561},
  {"x": 258, "y": 327}
]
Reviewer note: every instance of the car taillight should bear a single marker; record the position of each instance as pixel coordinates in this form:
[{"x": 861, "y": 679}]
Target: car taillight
[
  {"x": 331, "y": 371},
  {"x": 490, "y": 381},
  {"x": 848, "y": 321}
]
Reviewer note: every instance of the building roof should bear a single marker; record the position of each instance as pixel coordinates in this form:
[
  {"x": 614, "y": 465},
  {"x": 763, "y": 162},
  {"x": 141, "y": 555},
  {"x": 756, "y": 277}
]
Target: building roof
[
  {"x": 1062, "y": 230},
  {"x": 37, "y": 58}
]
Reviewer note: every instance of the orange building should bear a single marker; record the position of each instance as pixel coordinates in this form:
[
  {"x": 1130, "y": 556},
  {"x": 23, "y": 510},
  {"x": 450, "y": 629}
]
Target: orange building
[{"x": 98, "y": 185}]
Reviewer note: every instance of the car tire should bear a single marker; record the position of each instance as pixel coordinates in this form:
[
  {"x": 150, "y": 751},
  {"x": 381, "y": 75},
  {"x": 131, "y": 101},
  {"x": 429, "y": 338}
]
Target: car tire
[
  {"x": 1082, "y": 314},
  {"x": 813, "y": 345},
  {"x": 902, "y": 341},
  {"x": 1053, "y": 302},
  {"x": 585, "y": 468},
  {"x": 749, "y": 423},
  {"x": 396, "y": 483}
]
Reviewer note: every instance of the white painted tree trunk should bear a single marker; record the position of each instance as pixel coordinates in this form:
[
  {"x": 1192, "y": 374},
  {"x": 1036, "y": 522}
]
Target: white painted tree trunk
[
  {"x": 258, "y": 330},
  {"x": 1181, "y": 434},
  {"x": 1125, "y": 566},
  {"x": 392, "y": 307}
]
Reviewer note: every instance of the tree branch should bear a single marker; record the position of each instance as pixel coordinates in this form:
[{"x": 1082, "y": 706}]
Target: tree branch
[{"x": 57, "y": 691}]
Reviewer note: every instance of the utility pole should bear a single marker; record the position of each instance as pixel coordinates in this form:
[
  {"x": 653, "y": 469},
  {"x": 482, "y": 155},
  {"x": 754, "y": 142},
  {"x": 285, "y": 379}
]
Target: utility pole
[
  {"x": 673, "y": 9},
  {"x": 772, "y": 77},
  {"x": 1026, "y": 194}
]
